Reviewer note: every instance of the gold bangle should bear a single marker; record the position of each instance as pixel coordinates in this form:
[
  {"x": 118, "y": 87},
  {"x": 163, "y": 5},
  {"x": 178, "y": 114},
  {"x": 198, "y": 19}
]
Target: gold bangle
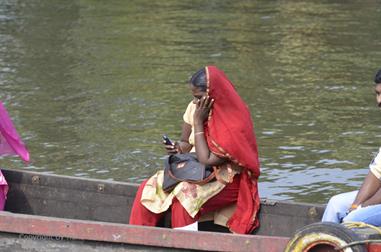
[{"x": 199, "y": 133}]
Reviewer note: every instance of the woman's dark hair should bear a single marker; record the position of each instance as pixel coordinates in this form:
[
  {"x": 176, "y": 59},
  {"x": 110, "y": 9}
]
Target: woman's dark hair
[
  {"x": 199, "y": 79},
  {"x": 377, "y": 78}
]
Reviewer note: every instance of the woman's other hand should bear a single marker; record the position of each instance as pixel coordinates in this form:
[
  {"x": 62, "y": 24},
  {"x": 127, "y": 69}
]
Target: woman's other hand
[{"x": 203, "y": 107}]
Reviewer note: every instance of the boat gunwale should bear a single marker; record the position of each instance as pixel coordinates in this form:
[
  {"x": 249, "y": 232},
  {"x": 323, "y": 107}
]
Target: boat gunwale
[
  {"x": 115, "y": 184},
  {"x": 136, "y": 235}
]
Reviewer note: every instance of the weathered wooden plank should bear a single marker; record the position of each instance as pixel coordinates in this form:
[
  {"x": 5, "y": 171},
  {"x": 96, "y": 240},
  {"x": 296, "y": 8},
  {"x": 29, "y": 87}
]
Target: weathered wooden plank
[
  {"x": 283, "y": 218},
  {"x": 137, "y": 235},
  {"x": 110, "y": 201},
  {"x": 27, "y": 243},
  {"x": 68, "y": 197}
]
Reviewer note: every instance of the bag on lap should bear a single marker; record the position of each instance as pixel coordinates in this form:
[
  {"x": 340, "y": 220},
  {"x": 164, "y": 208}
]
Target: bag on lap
[{"x": 185, "y": 167}]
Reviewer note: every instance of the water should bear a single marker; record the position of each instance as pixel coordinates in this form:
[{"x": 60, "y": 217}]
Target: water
[{"x": 92, "y": 85}]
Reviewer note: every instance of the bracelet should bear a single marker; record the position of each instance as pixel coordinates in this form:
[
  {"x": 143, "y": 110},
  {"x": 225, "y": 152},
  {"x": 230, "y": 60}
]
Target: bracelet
[
  {"x": 355, "y": 206},
  {"x": 199, "y": 133}
]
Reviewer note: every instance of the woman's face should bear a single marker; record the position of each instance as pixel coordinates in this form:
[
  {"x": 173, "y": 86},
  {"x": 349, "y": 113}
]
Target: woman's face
[{"x": 197, "y": 93}]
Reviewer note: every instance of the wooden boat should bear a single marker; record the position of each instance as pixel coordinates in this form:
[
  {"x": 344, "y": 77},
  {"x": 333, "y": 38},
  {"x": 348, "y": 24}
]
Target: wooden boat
[{"x": 60, "y": 213}]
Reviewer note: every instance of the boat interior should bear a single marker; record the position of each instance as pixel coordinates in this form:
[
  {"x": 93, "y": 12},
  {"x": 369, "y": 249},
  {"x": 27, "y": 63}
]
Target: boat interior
[{"x": 109, "y": 201}]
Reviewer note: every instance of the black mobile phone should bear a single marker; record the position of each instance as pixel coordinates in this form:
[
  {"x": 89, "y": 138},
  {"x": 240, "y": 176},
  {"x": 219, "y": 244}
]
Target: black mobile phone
[{"x": 167, "y": 140}]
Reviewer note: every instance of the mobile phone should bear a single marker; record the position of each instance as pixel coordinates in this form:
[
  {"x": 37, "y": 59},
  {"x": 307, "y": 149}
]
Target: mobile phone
[{"x": 167, "y": 140}]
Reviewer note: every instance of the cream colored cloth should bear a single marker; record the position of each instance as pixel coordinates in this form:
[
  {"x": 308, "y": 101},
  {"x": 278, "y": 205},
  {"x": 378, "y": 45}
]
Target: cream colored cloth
[
  {"x": 375, "y": 165},
  {"x": 191, "y": 196}
]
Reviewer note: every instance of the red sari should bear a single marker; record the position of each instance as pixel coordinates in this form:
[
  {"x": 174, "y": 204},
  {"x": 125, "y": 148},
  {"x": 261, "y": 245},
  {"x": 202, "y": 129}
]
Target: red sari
[{"x": 229, "y": 132}]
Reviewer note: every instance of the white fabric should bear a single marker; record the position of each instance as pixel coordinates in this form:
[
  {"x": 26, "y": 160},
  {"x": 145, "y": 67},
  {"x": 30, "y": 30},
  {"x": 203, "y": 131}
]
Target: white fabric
[
  {"x": 190, "y": 227},
  {"x": 375, "y": 165}
]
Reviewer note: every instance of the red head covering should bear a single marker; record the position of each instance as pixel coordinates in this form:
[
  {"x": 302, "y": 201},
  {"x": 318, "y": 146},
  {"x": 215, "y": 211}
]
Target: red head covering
[{"x": 230, "y": 133}]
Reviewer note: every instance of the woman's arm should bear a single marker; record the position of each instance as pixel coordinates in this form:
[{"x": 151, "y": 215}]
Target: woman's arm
[
  {"x": 204, "y": 155},
  {"x": 183, "y": 145}
]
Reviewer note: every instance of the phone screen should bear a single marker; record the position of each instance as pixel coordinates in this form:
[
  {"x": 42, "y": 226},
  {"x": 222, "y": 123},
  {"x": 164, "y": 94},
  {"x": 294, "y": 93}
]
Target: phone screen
[{"x": 167, "y": 140}]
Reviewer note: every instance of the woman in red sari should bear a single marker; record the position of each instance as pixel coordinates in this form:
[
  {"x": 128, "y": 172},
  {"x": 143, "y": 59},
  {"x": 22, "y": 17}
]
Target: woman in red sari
[{"x": 218, "y": 127}]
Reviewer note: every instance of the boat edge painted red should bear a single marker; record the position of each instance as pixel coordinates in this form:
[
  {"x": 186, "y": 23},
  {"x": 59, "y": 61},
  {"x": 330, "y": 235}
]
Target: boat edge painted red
[{"x": 137, "y": 235}]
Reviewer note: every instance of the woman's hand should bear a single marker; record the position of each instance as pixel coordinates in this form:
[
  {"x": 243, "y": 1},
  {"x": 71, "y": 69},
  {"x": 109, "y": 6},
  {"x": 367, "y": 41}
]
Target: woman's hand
[
  {"x": 172, "y": 149},
  {"x": 178, "y": 147},
  {"x": 203, "y": 107}
]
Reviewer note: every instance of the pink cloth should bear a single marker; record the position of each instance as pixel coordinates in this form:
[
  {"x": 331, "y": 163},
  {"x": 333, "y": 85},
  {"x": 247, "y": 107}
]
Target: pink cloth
[
  {"x": 10, "y": 141},
  {"x": 3, "y": 191},
  {"x": 10, "y": 144}
]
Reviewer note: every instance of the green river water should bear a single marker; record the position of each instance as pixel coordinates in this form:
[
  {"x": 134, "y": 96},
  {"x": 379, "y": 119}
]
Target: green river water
[{"x": 92, "y": 85}]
